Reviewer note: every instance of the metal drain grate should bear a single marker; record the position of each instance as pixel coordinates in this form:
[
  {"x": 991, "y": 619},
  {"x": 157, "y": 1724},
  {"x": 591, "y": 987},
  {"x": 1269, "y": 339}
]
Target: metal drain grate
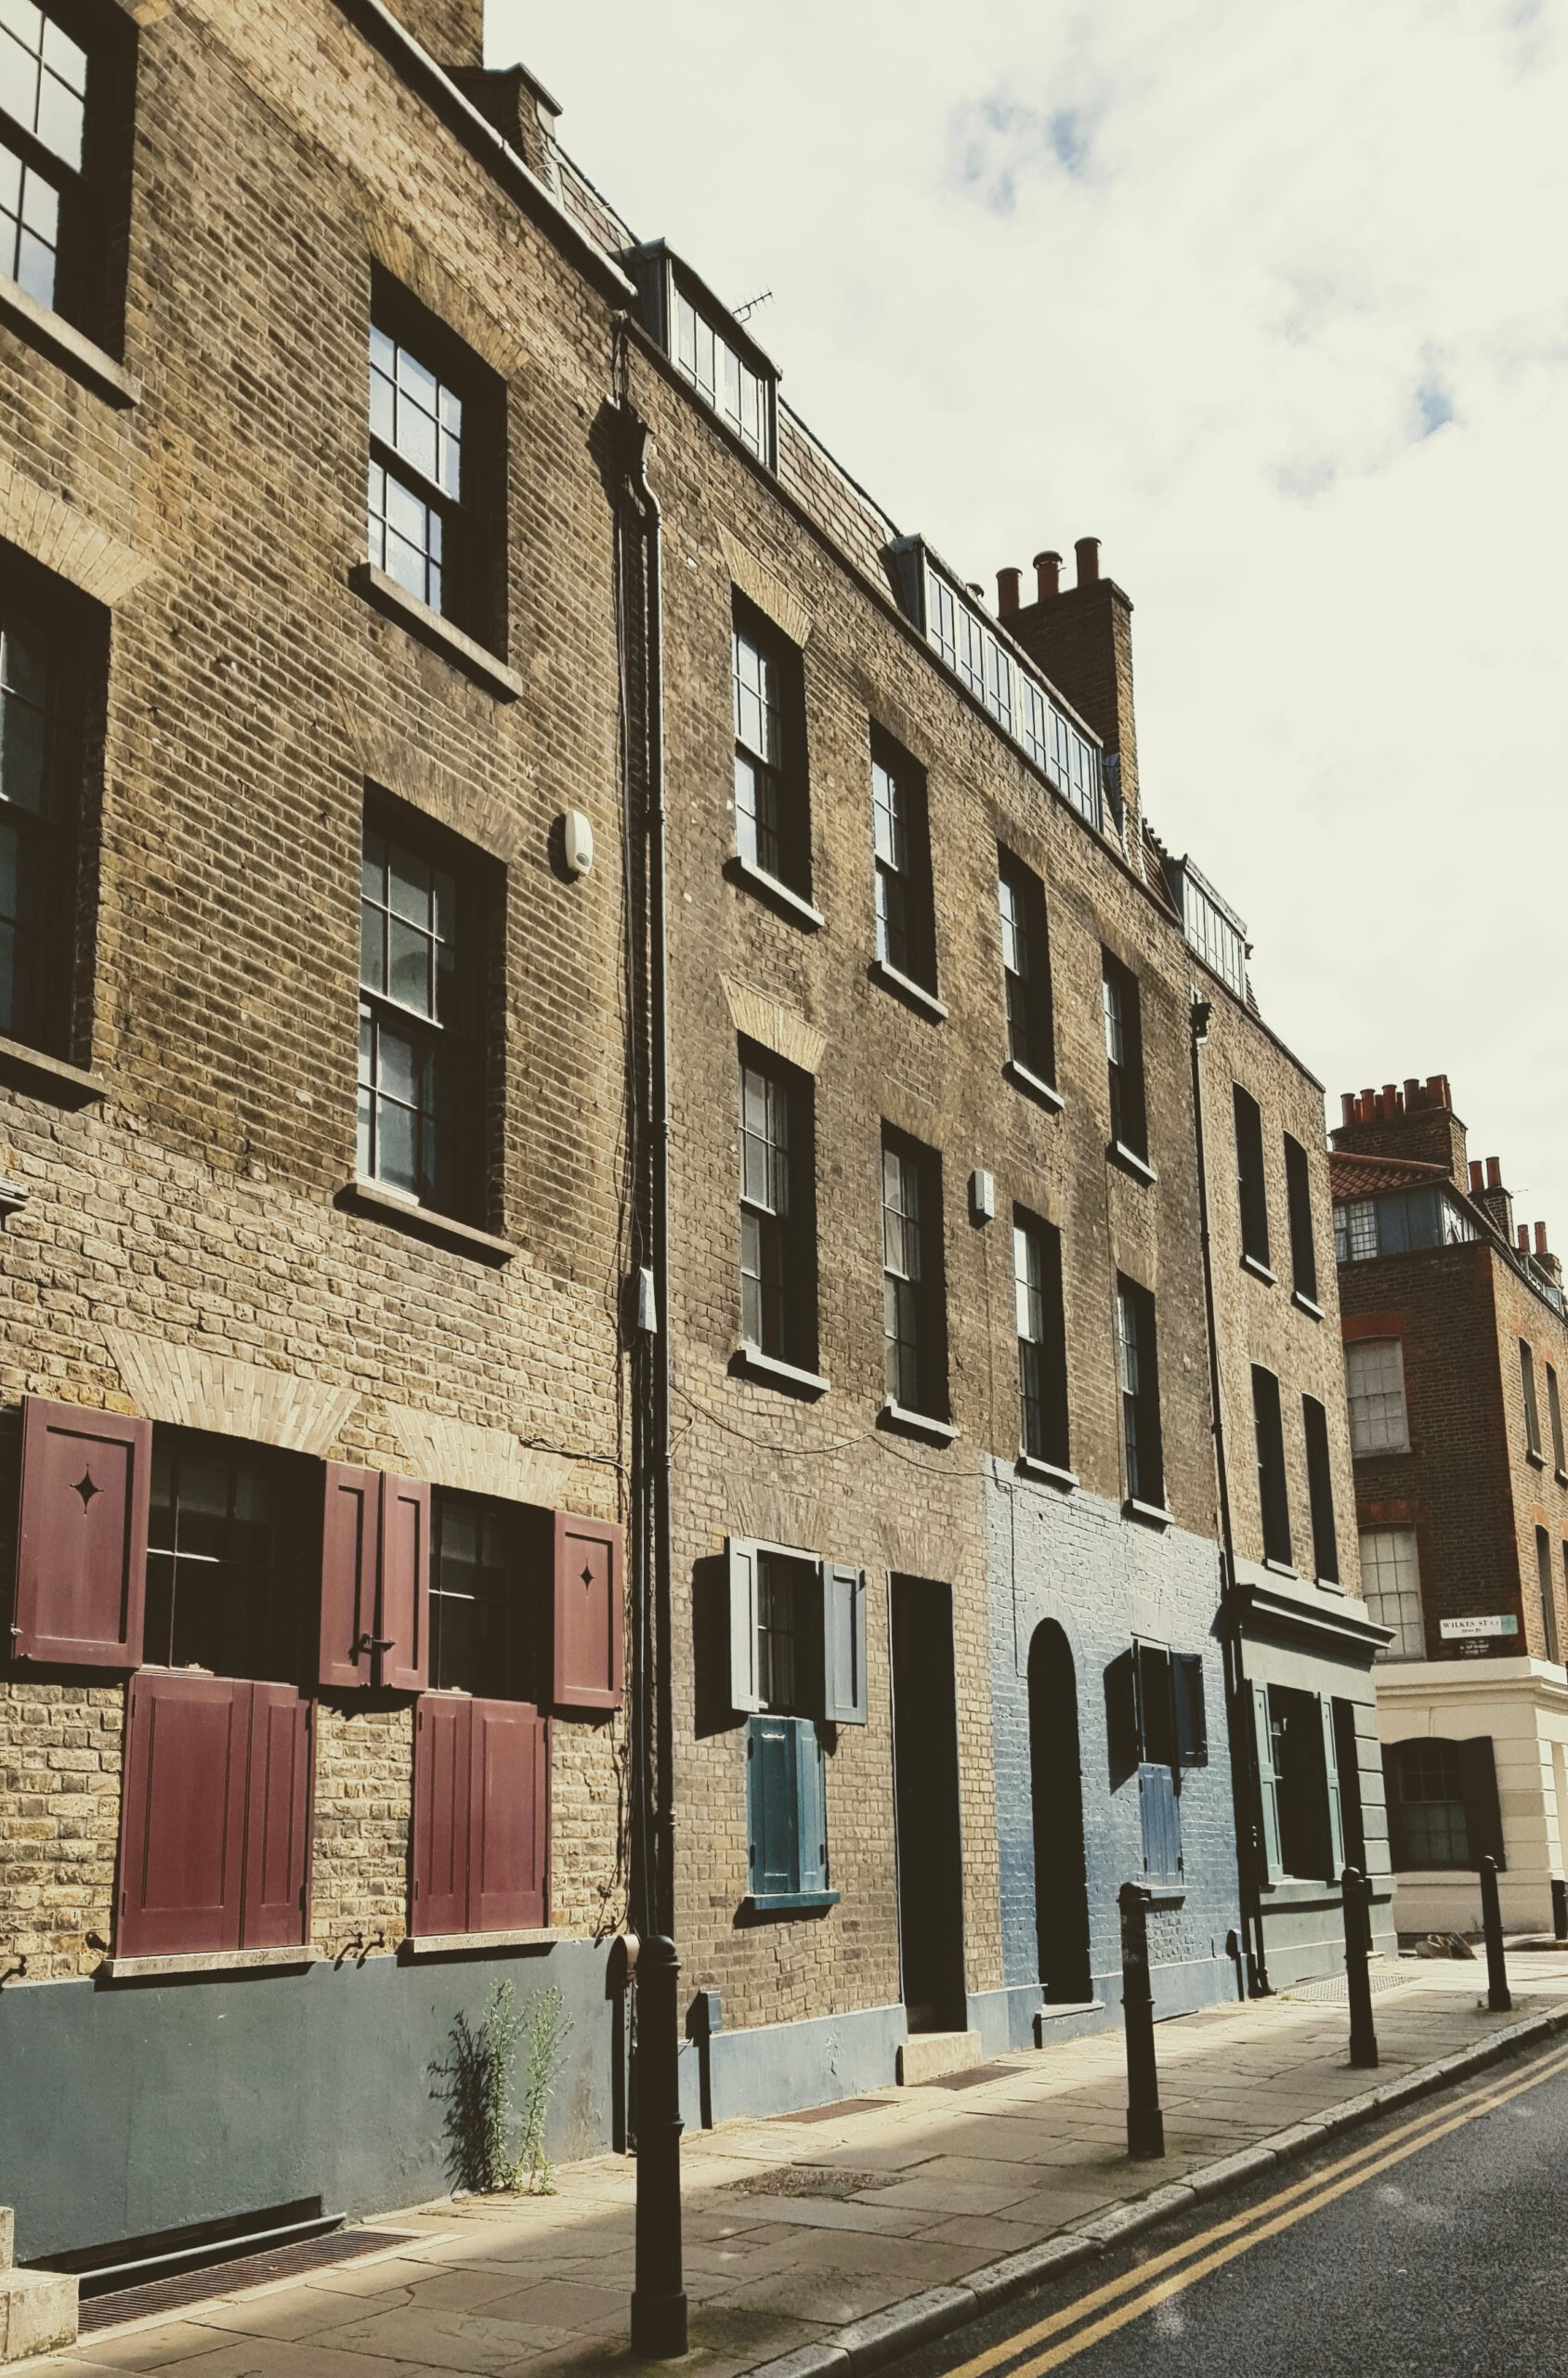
[
  {"x": 243, "y": 2270},
  {"x": 1334, "y": 1991}
]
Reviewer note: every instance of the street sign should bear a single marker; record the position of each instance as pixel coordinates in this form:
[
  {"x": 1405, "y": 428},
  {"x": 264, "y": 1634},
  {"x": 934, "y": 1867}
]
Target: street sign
[{"x": 1460, "y": 1631}]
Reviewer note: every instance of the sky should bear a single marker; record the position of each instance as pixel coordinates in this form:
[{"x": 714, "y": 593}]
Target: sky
[{"x": 1271, "y": 296}]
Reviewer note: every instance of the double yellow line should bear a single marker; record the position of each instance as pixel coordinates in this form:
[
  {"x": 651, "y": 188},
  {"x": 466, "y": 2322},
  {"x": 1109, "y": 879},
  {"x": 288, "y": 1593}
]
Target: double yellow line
[{"x": 1126, "y": 2299}]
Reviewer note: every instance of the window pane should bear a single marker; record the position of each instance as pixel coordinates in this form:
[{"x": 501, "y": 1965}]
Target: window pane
[
  {"x": 1391, "y": 1580},
  {"x": 1375, "y": 1377},
  {"x": 21, "y": 752},
  {"x": 409, "y": 966},
  {"x": 396, "y": 1162}
]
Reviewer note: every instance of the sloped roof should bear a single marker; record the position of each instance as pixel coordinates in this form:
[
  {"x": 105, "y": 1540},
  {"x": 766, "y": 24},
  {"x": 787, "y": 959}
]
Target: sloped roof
[{"x": 1364, "y": 1176}]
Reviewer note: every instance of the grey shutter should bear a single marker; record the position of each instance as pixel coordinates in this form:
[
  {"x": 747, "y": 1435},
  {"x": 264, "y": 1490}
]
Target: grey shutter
[
  {"x": 1268, "y": 1784},
  {"x": 743, "y": 1692},
  {"x": 1483, "y": 1818},
  {"x": 1161, "y": 1823},
  {"x": 811, "y": 1788},
  {"x": 844, "y": 1644},
  {"x": 1335, "y": 1798},
  {"x": 1192, "y": 1724},
  {"x": 772, "y": 1807}
]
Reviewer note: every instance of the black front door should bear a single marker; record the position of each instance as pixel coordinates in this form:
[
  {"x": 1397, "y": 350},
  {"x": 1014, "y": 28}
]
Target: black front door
[{"x": 925, "y": 1776}]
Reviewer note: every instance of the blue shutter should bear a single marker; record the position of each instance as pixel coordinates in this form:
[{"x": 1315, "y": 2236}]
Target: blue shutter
[
  {"x": 743, "y": 1689},
  {"x": 844, "y": 1644},
  {"x": 1162, "y": 1823},
  {"x": 1335, "y": 1798},
  {"x": 773, "y": 1807},
  {"x": 1268, "y": 1784},
  {"x": 811, "y": 1785}
]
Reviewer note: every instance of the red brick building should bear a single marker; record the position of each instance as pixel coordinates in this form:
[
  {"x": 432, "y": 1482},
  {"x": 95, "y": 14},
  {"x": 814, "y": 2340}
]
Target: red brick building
[{"x": 1456, "y": 1348}]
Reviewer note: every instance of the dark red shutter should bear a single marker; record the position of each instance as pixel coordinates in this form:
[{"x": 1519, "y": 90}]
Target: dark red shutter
[
  {"x": 81, "y": 1536},
  {"x": 442, "y": 1739},
  {"x": 509, "y": 1824},
  {"x": 182, "y": 1832},
  {"x": 278, "y": 1819},
  {"x": 404, "y": 1607},
  {"x": 350, "y": 1558},
  {"x": 588, "y": 1610}
]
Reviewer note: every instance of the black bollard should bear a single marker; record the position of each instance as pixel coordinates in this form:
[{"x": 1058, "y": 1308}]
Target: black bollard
[
  {"x": 1355, "y": 1892},
  {"x": 658, "y": 2304},
  {"x": 1558, "y": 1908},
  {"x": 1145, "y": 2124},
  {"x": 1498, "y": 1997}
]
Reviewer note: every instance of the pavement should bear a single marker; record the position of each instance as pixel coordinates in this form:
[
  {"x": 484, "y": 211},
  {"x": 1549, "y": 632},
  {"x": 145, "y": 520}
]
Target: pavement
[{"x": 829, "y": 2242}]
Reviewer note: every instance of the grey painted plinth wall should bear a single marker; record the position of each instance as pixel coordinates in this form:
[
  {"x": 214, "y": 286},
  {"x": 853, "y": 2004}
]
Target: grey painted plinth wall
[
  {"x": 1075, "y": 1559},
  {"x": 131, "y": 2108},
  {"x": 781, "y": 2068}
]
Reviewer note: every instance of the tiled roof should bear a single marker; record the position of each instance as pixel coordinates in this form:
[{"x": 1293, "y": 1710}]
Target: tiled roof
[{"x": 1363, "y": 1176}]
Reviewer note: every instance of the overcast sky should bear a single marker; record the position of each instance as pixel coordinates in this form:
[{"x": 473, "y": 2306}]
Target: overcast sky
[{"x": 1270, "y": 297}]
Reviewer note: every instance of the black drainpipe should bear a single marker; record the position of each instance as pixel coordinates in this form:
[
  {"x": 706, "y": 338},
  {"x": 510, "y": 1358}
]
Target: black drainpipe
[{"x": 1238, "y": 1713}]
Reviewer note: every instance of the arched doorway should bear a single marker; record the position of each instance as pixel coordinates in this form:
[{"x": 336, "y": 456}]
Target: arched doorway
[{"x": 1061, "y": 1887}]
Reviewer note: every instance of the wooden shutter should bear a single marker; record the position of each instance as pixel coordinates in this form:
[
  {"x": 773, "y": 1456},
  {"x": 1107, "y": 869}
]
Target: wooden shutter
[
  {"x": 772, "y": 1806},
  {"x": 1162, "y": 1822},
  {"x": 351, "y": 1564},
  {"x": 509, "y": 1818},
  {"x": 811, "y": 1798},
  {"x": 442, "y": 1748},
  {"x": 1192, "y": 1724},
  {"x": 81, "y": 1535},
  {"x": 743, "y": 1690},
  {"x": 403, "y": 1602},
  {"x": 589, "y": 1596},
  {"x": 182, "y": 1834},
  {"x": 1336, "y": 1797},
  {"x": 844, "y": 1644},
  {"x": 1484, "y": 1817},
  {"x": 276, "y": 1820},
  {"x": 1268, "y": 1785}
]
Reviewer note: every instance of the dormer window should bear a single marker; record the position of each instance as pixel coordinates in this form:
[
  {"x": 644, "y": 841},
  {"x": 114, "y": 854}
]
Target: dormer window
[{"x": 709, "y": 348}]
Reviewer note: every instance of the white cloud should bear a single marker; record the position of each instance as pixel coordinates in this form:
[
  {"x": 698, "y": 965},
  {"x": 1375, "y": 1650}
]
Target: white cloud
[{"x": 1271, "y": 299}]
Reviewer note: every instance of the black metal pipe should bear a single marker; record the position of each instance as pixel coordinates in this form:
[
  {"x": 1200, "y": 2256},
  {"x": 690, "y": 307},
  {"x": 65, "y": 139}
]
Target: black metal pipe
[
  {"x": 659, "y": 2304},
  {"x": 1356, "y": 1894},
  {"x": 1558, "y": 1908},
  {"x": 1499, "y": 1998},
  {"x": 1145, "y": 2124}
]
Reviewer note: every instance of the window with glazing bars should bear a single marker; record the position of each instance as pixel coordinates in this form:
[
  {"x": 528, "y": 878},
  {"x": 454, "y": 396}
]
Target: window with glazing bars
[
  {"x": 777, "y": 1231},
  {"x": 221, "y": 1571},
  {"x": 1274, "y": 1501},
  {"x": 1320, "y": 1491},
  {"x": 769, "y": 798},
  {"x": 1375, "y": 1380},
  {"x": 416, "y": 472},
  {"x": 1138, "y": 1381},
  {"x": 1026, "y": 963},
  {"x": 1428, "y": 1817},
  {"x": 486, "y": 1612},
  {"x": 902, "y": 845},
  {"x": 418, "y": 965},
  {"x": 913, "y": 1318},
  {"x": 1391, "y": 1580},
  {"x": 1297, "y": 1198},
  {"x": 1554, "y": 1418},
  {"x": 789, "y": 1598},
  {"x": 1042, "y": 1347},
  {"x": 723, "y": 378},
  {"x": 39, "y": 756},
  {"x": 1532, "y": 1412},
  {"x": 60, "y": 69},
  {"x": 1124, "y": 1056},
  {"x": 1548, "y": 1590},
  {"x": 1251, "y": 1189}
]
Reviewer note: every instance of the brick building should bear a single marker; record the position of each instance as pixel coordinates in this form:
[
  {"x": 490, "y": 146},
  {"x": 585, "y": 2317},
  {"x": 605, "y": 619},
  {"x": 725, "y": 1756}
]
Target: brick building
[
  {"x": 1455, "y": 1344},
  {"x": 750, "y": 919}
]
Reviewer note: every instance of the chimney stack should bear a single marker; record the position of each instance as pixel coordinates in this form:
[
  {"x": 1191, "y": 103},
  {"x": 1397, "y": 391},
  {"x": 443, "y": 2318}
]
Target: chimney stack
[
  {"x": 1048, "y": 576},
  {"x": 1081, "y": 637},
  {"x": 1414, "y": 1123},
  {"x": 1086, "y": 552},
  {"x": 1010, "y": 593}
]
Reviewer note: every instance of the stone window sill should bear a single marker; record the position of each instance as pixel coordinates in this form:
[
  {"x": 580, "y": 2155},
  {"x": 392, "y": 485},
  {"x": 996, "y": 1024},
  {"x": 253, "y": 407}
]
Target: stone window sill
[
  {"x": 786, "y": 1902},
  {"x": 757, "y": 879},
  {"x": 913, "y": 994},
  {"x": 432, "y": 629},
  {"x": 751, "y": 1362},
  {"x": 1031, "y": 1465},
  {"x": 917, "y": 1424},
  {"x": 62, "y": 340},
  {"x": 1279, "y": 1568},
  {"x": 1149, "y": 1514},
  {"x": 1259, "y": 1271},
  {"x": 51, "y": 1076},
  {"x": 457, "y": 1944},
  {"x": 1560, "y": 1476},
  {"x": 1536, "y": 1461},
  {"x": 1034, "y": 1085},
  {"x": 385, "y": 1205},
  {"x": 1140, "y": 1167},
  {"x": 207, "y": 1961},
  {"x": 1303, "y": 1303}
]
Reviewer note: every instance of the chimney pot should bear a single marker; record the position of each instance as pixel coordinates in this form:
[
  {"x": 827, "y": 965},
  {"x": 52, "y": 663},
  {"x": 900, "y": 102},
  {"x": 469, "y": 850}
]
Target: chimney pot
[
  {"x": 1413, "y": 1096},
  {"x": 1347, "y": 1107},
  {"x": 1010, "y": 591},
  {"x": 1541, "y": 1247},
  {"x": 1476, "y": 1176},
  {"x": 1494, "y": 1173},
  {"x": 1522, "y": 1234},
  {"x": 1391, "y": 1098},
  {"x": 1048, "y": 576},
  {"x": 1087, "y": 550},
  {"x": 1437, "y": 1089}
]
